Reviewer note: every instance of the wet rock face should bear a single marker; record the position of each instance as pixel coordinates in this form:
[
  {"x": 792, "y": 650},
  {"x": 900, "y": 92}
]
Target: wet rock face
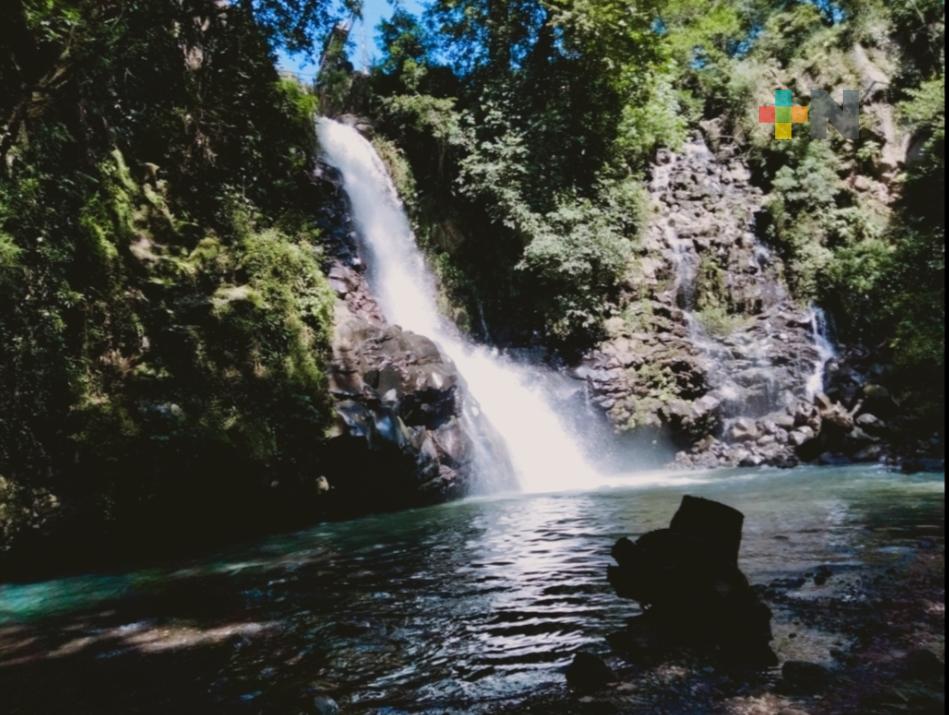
[
  {"x": 709, "y": 334},
  {"x": 400, "y": 433},
  {"x": 343, "y": 266},
  {"x": 694, "y": 595},
  {"x": 406, "y": 432}
]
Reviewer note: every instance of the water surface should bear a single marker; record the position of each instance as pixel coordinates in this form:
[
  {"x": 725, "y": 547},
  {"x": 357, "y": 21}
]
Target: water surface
[{"x": 451, "y": 608}]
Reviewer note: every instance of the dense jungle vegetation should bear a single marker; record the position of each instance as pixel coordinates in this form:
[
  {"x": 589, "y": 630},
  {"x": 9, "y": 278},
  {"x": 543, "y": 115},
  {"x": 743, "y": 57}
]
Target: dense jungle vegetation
[
  {"x": 164, "y": 318},
  {"x": 526, "y": 125}
]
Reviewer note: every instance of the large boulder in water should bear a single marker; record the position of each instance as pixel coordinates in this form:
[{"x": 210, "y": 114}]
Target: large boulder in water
[
  {"x": 406, "y": 431},
  {"x": 694, "y": 595}
]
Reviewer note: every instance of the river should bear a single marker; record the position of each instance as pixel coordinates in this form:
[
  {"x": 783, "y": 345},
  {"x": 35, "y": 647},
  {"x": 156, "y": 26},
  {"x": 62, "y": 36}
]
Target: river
[{"x": 472, "y": 606}]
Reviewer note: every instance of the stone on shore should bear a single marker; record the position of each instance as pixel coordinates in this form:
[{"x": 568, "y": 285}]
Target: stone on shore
[{"x": 588, "y": 673}]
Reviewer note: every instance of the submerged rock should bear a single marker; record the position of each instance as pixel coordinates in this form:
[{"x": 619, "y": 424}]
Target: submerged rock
[
  {"x": 687, "y": 579},
  {"x": 325, "y": 705},
  {"x": 923, "y": 664},
  {"x": 822, "y": 574},
  {"x": 801, "y": 677}
]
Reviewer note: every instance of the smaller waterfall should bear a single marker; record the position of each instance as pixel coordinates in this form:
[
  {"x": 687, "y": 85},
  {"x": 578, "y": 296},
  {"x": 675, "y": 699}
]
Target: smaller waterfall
[
  {"x": 705, "y": 217},
  {"x": 824, "y": 348}
]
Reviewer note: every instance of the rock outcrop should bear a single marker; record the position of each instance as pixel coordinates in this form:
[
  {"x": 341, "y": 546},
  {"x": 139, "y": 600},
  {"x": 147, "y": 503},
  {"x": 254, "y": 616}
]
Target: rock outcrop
[
  {"x": 400, "y": 435},
  {"x": 693, "y": 594},
  {"x": 406, "y": 431},
  {"x": 711, "y": 350}
]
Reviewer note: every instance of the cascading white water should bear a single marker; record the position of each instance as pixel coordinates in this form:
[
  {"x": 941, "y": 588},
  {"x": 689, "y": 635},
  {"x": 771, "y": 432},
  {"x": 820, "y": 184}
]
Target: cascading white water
[
  {"x": 825, "y": 351},
  {"x": 545, "y": 456}
]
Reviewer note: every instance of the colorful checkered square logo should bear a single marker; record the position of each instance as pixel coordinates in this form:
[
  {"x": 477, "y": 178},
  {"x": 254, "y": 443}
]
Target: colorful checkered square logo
[{"x": 783, "y": 114}]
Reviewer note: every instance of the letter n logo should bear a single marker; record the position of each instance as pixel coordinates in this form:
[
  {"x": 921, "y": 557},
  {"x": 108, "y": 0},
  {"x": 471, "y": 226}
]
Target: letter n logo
[{"x": 844, "y": 118}]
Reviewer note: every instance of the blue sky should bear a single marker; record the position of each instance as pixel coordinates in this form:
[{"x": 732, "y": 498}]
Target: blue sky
[{"x": 362, "y": 36}]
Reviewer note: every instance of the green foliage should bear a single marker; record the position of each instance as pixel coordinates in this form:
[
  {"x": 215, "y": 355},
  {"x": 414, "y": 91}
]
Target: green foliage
[
  {"x": 714, "y": 310},
  {"x": 575, "y": 258},
  {"x": 164, "y": 320},
  {"x": 513, "y": 145},
  {"x": 646, "y": 126},
  {"x": 295, "y": 311},
  {"x": 924, "y": 112},
  {"x": 659, "y": 385},
  {"x": 9, "y": 257},
  {"x": 405, "y": 44},
  {"x": 807, "y": 217},
  {"x": 434, "y": 117},
  {"x": 919, "y": 27},
  {"x": 297, "y": 24},
  {"x": 893, "y": 286},
  {"x": 716, "y": 320}
]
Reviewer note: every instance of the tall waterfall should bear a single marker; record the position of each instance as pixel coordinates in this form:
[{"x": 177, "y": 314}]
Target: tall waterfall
[{"x": 544, "y": 454}]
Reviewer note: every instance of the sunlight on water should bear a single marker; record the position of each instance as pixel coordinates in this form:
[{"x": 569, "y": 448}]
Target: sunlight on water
[
  {"x": 544, "y": 454},
  {"x": 451, "y": 607}
]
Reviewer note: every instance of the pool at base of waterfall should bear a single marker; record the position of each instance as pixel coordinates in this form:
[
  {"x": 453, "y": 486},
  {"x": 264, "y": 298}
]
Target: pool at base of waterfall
[{"x": 479, "y": 605}]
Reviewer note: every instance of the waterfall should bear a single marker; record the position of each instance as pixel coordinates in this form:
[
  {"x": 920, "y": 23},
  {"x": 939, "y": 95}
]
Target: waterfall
[
  {"x": 545, "y": 456},
  {"x": 823, "y": 347}
]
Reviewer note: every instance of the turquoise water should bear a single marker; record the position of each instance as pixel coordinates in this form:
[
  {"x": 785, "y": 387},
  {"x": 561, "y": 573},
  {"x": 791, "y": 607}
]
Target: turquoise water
[{"x": 453, "y": 606}]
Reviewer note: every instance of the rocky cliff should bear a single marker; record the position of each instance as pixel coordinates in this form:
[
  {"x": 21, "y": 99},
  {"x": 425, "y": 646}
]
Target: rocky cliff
[{"x": 711, "y": 350}]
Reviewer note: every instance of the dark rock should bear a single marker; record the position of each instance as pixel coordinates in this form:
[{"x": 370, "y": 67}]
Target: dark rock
[
  {"x": 843, "y": 382},
  {"x": 718, "y": 525},
  {"x": 822, "y": 574},
  {"x": 911, "y": 465},
  {"x": 835, "y": 420},
  {"x": 325, "y": 705},
  {"x": 801, "y": 436},
  {"x": 790, "y": 583},
  {"x": 743, "y": 429},
  {"x": 870, "y": 453},
  {"x": 833, "y": 459},
  {"x": 870, "y": 423},
  {"x": 706, "y": 412},
  {"x": 923, "y": 664},
  {"x": 688, "y": 579},
  {"x": 588, "y": 673},
  {"x": 399, "y": 439},
  {"x": 799, "y": 677},
  {"x": 858, "y": 439},
  {"x": 784, "y": 421},
  {"x": 877, "y": 400},
  {"x": 823, "y": 402},
  {"x": 702, "y": 247}
]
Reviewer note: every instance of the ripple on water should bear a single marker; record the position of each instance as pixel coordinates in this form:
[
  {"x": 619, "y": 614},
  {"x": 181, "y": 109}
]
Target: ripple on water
[{"x": 464, "y": 603}]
